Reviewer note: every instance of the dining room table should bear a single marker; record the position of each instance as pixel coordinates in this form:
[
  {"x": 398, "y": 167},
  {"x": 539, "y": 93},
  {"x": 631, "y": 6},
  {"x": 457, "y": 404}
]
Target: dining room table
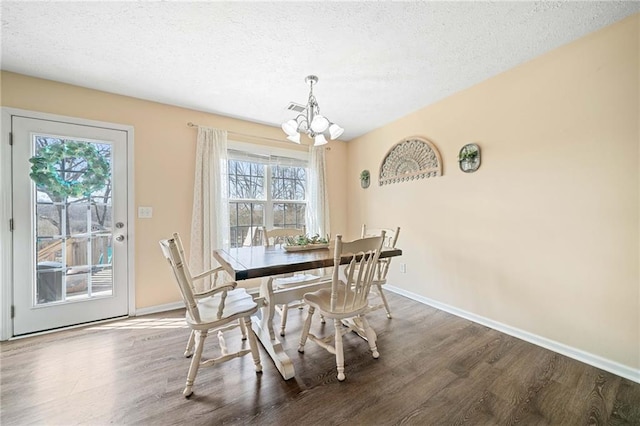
[{"x": 266, "y": 263}]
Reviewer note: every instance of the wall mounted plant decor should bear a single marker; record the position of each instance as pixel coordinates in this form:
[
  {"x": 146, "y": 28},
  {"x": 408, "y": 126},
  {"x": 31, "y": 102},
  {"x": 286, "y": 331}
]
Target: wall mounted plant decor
[
  {"x": 365, "y": 178},
  {"x": 412, "y": 158},
  {"x": 469, "y": 158}
]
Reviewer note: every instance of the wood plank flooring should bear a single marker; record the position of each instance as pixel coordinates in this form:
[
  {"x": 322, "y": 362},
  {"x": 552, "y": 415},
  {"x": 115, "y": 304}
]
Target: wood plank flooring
[{"x": 434, "y": 369}]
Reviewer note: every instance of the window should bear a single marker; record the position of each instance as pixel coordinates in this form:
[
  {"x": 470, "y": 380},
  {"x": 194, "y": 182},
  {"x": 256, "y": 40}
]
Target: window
[{"x": 264, "y": 190}]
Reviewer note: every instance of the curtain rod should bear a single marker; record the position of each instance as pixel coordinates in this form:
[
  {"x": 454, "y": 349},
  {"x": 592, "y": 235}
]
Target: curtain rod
[{"x": 190, "y": 124}]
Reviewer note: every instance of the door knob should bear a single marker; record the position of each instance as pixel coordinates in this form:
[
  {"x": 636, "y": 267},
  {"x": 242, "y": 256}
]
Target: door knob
[{"x": 120, "y": 238}]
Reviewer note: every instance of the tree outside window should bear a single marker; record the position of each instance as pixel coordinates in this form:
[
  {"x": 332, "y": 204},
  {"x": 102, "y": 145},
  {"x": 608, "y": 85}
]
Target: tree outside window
[{"x": 282, "y": 204}]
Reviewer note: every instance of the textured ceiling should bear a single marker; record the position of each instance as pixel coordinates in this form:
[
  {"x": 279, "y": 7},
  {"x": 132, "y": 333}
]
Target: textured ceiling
[{"x": 377, "y": 61}]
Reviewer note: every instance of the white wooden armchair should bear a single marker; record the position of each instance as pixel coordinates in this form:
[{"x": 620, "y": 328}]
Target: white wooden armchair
[
  {"x": 220, "y": 308},
  {"x": 278, "y": 236},
  {"x": 215, "y": 275},
  {"x": 382, "y": 269},
  {"x": 346, "y": 299}
]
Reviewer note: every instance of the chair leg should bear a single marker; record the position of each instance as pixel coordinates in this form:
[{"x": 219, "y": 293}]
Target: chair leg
[
  {"x": 305, "y": 329},
  {"x": 283, "y": 318},
  {"x": 384, "y": 300},
  {"x": 371, "y": 337},
  {"x": 223, "y": 344},
  {"x": 189, "y": 350},
  {"x": 243, "y": 328},
  {"x": 339, "y": 349},
  {"x": 253, "y": 344},
  {"x": 200, "y": 336}
]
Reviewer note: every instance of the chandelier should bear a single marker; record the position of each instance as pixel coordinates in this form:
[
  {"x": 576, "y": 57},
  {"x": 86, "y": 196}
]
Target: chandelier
[{"x": 310, "y": 121}]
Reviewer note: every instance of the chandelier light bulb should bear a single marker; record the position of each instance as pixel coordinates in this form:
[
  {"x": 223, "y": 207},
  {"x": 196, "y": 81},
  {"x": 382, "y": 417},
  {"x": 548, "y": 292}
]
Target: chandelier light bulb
[
  {"x": 320, "y": 140},
  {"x": 319, "y": 123},
  {"x": 335, "y": 131},
  {"x": 290, "y": 127},
  {"x": 294, "y": 138}
]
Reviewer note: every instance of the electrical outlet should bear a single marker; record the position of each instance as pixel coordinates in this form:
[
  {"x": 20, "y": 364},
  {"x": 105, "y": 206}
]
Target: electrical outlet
[
  {"x": 145, "y": 212},
  {"x": 403, "y": 268}
]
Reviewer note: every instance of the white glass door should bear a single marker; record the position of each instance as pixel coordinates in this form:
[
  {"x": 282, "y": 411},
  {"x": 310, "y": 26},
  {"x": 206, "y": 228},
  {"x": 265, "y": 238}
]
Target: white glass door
[{"x": 70, "y": 224}]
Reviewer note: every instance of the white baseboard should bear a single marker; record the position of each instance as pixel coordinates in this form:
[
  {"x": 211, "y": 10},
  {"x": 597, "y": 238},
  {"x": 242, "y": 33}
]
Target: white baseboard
[
  {"x": 159, "y": 308},
  {"x": 577, "y": 354}
]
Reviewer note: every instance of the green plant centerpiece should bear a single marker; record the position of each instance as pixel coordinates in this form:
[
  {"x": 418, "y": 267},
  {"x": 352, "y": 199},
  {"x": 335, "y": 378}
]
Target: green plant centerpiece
[
  {"x": 49, "y": 173},
  {"x": 305, "y": 242}
]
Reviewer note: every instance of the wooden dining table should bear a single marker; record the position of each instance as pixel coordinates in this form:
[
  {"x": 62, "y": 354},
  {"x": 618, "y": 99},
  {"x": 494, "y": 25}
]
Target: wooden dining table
[{"x": 244, "y": 263}]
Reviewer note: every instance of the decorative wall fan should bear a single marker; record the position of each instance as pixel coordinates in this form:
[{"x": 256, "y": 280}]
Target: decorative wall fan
[{"x": 412, "y": 158}]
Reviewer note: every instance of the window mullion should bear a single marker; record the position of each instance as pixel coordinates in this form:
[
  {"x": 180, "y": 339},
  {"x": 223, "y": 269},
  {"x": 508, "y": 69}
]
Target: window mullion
[
  {"x": 246, "y": 200},
  {"x": 268, "y": 206}
]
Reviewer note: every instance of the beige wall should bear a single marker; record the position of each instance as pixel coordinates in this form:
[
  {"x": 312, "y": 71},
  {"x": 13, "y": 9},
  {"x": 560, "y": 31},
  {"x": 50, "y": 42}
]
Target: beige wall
[
  {"x": 164, "y": 164},
  {"x": 544, "y": 237}
]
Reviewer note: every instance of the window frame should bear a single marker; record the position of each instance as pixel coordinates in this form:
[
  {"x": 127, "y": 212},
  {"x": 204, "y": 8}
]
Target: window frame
[{"x": 268, "y": 202}]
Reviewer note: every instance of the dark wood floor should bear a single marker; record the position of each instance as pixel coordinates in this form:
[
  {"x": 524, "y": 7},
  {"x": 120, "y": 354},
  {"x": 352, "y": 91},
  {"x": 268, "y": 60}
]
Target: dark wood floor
[{"x": 434, "y": 369}]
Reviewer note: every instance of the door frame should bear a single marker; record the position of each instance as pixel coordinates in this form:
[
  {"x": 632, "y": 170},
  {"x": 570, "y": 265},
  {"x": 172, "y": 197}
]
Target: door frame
[{"x": 6, "y": 209}]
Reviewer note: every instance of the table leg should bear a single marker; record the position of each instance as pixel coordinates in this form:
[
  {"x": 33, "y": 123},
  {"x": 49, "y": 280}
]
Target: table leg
[{"x": 263, "y": 327}]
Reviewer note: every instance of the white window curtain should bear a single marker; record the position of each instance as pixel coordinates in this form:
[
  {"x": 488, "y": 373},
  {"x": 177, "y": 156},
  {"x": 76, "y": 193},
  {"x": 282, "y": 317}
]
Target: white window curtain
[
  {"x": 318, "y": 200},
  {"x": 210, "y": 216}
]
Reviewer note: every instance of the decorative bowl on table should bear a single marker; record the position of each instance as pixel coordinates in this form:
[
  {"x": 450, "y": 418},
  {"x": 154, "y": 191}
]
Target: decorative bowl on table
[{"x": 304, "y": 242}]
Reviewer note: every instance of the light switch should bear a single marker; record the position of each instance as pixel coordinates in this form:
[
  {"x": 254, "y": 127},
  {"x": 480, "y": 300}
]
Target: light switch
[{"x": 145, "y": 212}]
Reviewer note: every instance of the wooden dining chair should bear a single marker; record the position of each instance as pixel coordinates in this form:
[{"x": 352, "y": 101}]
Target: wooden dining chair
[
  {"x": 216, "y": 276},
  {"x": 382, "y": 269},
  {"x": 346, "y": 299},
  {"x": 221, "y": 308},
  {"x": 277, "y": 236}
]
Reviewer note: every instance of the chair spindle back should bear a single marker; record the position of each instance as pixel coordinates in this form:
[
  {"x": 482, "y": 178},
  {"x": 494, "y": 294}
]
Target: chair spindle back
[
  {"x": 363, "y": 257},
  {"x": 390, "y": 240},
  {"x": 279, "y": 235},
  {"x": 175, "y": 257}
]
